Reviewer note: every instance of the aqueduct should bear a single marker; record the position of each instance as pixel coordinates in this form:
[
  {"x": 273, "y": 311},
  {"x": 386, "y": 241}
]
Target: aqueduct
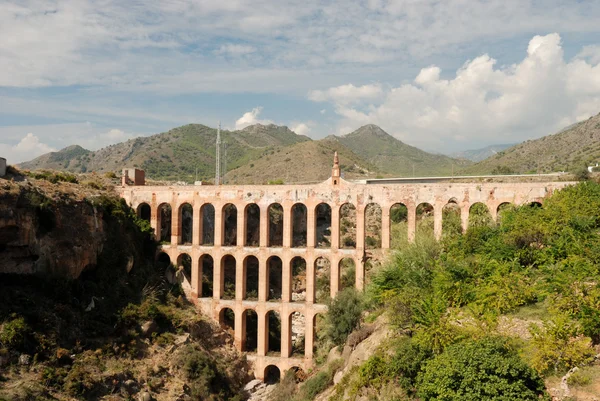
[{"x": 254, "y": 254}]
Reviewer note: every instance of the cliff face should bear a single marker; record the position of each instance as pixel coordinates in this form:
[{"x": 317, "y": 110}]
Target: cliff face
[{"x": 46, "y": 231}]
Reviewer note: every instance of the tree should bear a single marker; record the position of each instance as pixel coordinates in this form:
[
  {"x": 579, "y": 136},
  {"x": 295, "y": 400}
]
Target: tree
[
  {"x": 343, "y": 315},
  {"x": 486, "y": 369}
]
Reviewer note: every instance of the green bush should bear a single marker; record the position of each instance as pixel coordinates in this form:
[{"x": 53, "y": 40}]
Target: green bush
[
  {"x": 343, "y": 315},
  {"x": 13, "y": 332},
  {"x": 479, "y": 370}
]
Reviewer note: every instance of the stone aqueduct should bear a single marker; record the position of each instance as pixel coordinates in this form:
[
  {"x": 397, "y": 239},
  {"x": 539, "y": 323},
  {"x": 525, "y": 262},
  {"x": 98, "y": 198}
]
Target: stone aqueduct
[{"x": 209, "y": 241}]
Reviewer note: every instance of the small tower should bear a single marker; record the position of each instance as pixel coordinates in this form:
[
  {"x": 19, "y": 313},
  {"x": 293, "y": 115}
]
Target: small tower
[{"x": 335, "y": 171}]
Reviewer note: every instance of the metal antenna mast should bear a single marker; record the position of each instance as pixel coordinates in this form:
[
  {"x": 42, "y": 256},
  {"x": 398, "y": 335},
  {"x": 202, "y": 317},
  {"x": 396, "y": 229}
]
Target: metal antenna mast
[{"x": 218, "y": 156}]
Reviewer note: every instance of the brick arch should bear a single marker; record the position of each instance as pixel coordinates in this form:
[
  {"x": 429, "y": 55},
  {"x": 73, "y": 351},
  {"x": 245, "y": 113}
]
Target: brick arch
[
  {"x": 251, "y": 228},
  {"x": 164, "y": 216},
  {"x": 185, "y": 223},
  {"x": 228, "y": 276}
]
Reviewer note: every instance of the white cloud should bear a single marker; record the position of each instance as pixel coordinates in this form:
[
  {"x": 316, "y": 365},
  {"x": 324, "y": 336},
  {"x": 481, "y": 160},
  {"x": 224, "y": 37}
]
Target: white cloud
[
  {"x": 27, "y": 148},
  {"x": 482, "y": 102},
  {"x": 236, "y": 50},
  {"x": 346, "y": 94},
  {"x": 301, "y": 129},
  {"x": 251, "y": 118}
]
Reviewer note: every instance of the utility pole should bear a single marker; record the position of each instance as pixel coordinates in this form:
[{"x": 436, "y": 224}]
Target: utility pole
[{"x": 218, "y": 157}]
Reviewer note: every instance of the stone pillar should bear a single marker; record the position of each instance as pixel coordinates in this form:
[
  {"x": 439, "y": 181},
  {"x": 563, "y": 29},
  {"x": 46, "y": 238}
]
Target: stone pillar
[
  {"x": 240, "y": 278},
  {"x": 359, "y": 266},
  {"x": 219, "y": 224},
  {"x": 437, "y": 221},
  {"x": 493, "y": 212},
  {"x": 310, "y": 280},
  {"x": 264, "y": 227},
  {"x": 196, "y": 284},
  {"x": 311, "y": 226},
  {"x": 309, "y": 336},
  {"x": 464, "y": 217},
  {"x": 263, "y": 330},
  {"x": 175, "y": 223},
  {"x": 335, "y": 227},
  {"x": 199, "y": 275},
  {"x": 334, "y": 283},
  {"x": 217, "y": 275},
  {"x": 239, "y": 329},
  {"x": 412, "y": 222},
  {"x": 196, "y": 227},
  {"x": 286, "y": 333},
  {"x": 263, "y": 278},
  {"x": 241, "y": 225},
  {"x": 286, "y": 279},
  {"x": 385, "y": 227},
  {"x": 154, "y": 218},
  {"x": 360, "y": 228},
  {"x": 287, "y": 225}
]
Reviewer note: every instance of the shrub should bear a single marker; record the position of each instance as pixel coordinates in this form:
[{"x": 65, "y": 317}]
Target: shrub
[
  {"x": 13, "y": 332},
  {"x": 487, "y": 369},
  {"x": 343, "y": 315}
]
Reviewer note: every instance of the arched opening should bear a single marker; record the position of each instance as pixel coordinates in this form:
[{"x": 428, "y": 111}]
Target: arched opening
[
  {"x": 479, "y": 215},
  {"x": 274, "y": 332},
  {"x": 322, "y": 280},
  {"x": 250, "y": 322},
  {"x": 252, "y": 225},
  {"x": 144, "y": 211},
  {"x": 502, "y": 208},
  {"x": 207, "y": 224},
  {"x": 275, "y": 278},
  {"x": 228, "y": 277},
  {"x": 184, "y": 265},
  {"x": 298, "y": 269},
  {"x": 373, "y": 226},
  {"x": 398, "y": 225},
  {"x": 323, "y": 225},
  {"x": 227, "y": 319},
  {"x": 347, "y": 226},
  {"x": 163, "y": 261},
  {"x": 297, "y": 373},
  {"x": 451, "y": 222},
  {"x": 347, "y": 273},
  {"x": 275, "y": 225},
  {"x": 319, "y": 325},
  {"x": 207, "y": 267},
  {"x": 272, "y": 374},
  {"x": 186, "y": 222},
  {"x": 535, "y": 204},
  {"x": 164, "y": 223},
  {"x": 424, "y": 221},
  {"x": 251, "y": 276},
  {"x": 229, "y": 225},
  {"x": 297, "y": 330},
  {"x": 299, "y": 216}
]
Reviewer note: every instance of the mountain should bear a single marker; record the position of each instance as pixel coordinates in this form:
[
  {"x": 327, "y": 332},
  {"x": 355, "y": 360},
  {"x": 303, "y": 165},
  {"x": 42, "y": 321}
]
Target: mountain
[
  {"x": 174, "y": 155},
  {"x": 394, "y": 156},
  {"x": 572, "y": 147},
  {"x": 477, "y": 155}
]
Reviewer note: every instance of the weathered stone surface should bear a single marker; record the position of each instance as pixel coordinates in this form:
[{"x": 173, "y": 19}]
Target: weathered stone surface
[
  {"x": 252, "y": 385},
  {"x": 148, "y": 327},
  {"x": 24, "y": 359}
]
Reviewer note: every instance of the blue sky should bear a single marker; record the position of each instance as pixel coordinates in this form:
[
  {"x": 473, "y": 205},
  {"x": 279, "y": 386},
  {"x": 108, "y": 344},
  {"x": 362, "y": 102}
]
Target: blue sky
[{"x": 441, "y": 75}]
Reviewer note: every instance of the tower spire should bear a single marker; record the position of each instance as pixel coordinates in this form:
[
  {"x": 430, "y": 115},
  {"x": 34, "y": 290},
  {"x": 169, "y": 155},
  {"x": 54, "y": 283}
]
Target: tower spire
[
  {"x": 218, "y": 157},
  {"x": 335, "y": 171}
]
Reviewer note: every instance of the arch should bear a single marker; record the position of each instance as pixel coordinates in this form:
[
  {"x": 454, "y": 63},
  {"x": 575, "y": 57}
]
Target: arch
[
  {"x": 372, "y": 226},
  {"x": 273, "y": 321},
  {"x": 229, "y": 219},
  {"x": 322, "y": 280},
  {"x": 184, "y": 263},
  {"x": 249, "y": 331},
  {"x": 274, "y": 278},
  {"x": 347, "y": 276},
  {"x": 535, "y": 204},
  {"x": 163, "y": 261},
  {"x": 298, "y": 270},
  {"x": 227, "y": 319},
  {"x": 479, "y": 215},
  {"x": 251, "y": 269},
  {"x": 252, "y": 222},
  {"x": 503, "y": 207},
  {"x": 144, "y": 211},
  {"x": 424, "y": 214},
  {"x": 319, "y": 324},
  {"x": 347, "y": 226},
  {"x": 186, "y": 223},
  {"x": 299, "y": 225},
  {"x": 272, "y": 374},
  {"x": 398, "y": 225},
  {"x": 451, "y": 220},
  {"x": 207, "y": 267},
  {"x": 296, "y": 338},
  {"x": 323, "y": 225},
  {"x": 275, "y": 233},
  {"x": 207, "y": 224},
  {"x": 164, "y": 223},
  {"x": 228, "y": 266}
]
